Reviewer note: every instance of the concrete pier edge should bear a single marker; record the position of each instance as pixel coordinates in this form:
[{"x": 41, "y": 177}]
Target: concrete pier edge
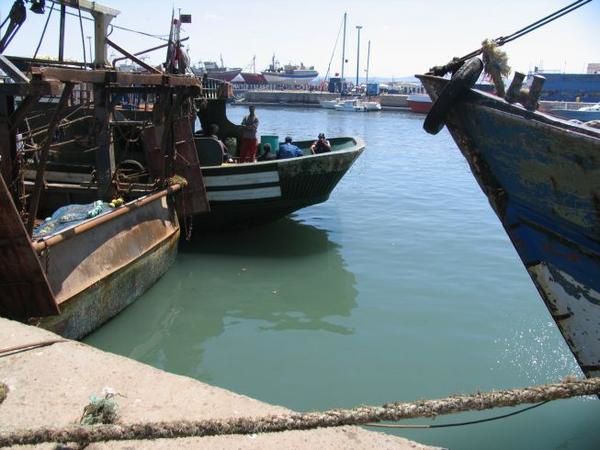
[{"x": 49, "y": 387}]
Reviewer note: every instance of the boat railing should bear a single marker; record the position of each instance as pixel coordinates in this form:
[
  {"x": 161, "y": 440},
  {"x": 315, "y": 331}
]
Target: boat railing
[{"x": 213, "y": 89}]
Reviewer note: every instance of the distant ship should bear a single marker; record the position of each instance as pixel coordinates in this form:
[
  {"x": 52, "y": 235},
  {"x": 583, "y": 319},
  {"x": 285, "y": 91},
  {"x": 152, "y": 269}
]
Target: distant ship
[
  {"x": 289, "y": 74},
  {"x": 213, "y": 70},
  {"x": 571, "y": 87}
]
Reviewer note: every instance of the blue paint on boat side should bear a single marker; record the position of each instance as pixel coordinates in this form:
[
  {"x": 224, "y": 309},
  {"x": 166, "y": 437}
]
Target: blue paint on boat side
[
  {"x": 538, "y": 240},
  {"x": 530, "y": 164},
  {"x": 540, "y": 175}
]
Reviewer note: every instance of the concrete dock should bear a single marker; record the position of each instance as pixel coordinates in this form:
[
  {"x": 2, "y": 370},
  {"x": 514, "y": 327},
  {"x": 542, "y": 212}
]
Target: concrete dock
[
  {"x": 49, "y": 387},
  {"x": 312, "y": 98}
]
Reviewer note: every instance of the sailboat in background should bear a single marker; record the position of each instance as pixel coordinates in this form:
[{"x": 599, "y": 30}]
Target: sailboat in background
[{"x": 352, "y": 103}]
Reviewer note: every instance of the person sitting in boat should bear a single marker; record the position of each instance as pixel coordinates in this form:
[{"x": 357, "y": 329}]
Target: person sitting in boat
[
  {"x": 288, "y": 150},
  {"x": 213, "y": 133},
  {"x": 248, "y": 144},
  {"x": 266, "y": 154},
  {"x": 321, "y": 145}
]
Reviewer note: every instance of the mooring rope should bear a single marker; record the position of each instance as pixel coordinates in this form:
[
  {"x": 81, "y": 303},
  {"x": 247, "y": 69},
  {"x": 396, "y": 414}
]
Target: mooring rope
[
  {"x": 453, "y": 65},
  {"x": 30, "y": 346},
  {"x": 304, "y": 421}
]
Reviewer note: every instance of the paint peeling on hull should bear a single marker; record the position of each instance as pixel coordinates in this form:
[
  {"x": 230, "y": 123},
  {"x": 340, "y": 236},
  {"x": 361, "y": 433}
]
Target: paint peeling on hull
[
  {"x": 103, "y": 300},
  {"x": 576, "y": 310},
  {"x": 99, "y": 267},
  {"x": 541, "y": 176}
]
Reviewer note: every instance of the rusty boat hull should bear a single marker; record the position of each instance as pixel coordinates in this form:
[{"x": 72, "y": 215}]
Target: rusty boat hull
[
  {"x": 541, "y": 177},
  {"x": 97, "y": 268}
]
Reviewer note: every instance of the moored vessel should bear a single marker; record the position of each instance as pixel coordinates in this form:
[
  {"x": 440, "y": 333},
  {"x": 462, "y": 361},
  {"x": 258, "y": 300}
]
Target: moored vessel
[
  {"x": 289, "y": 74},
  {"x": 539, "y": 174},
  {"x": 419, "y": 103},
  {"x": 73, "y": 271}
]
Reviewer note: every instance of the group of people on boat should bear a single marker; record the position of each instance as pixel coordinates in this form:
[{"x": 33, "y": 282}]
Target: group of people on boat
[{"x": 249, "y": 143}]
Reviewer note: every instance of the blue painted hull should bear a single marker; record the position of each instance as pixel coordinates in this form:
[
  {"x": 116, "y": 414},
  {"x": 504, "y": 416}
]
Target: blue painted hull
[
  {"x": 576, "y": 114},
  {"x": 542, "y": 178}
]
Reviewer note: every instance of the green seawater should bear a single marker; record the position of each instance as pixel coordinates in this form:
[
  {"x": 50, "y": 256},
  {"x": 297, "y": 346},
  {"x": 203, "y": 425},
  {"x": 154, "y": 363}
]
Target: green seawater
[{"x": 402, "y": 286}]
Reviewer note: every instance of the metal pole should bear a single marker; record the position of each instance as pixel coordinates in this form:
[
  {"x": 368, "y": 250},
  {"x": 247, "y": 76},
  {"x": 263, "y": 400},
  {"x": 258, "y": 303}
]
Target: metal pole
[
  {"x": 61, "y": 41},
  {"x": 368, "y": 60},
  {"x": 344, "y": 48},
  {"x": 358, "y": 27},
  {"x": 89, "y": 38}
]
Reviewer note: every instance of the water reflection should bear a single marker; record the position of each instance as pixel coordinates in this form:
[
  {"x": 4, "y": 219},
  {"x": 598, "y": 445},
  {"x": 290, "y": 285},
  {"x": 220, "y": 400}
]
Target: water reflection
[{"x": 284, "y": 276}]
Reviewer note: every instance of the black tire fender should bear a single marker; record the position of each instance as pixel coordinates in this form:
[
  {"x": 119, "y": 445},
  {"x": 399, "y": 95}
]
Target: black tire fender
[{"x": 462, "y": 80}]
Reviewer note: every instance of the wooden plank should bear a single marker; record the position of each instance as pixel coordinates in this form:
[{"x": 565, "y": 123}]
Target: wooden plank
[
  {"x": 23, "y": 283},
  {"x": 193, "y": 199},
  {"x": 111, "y": 76},
  {"x": 35, "y": 87}
]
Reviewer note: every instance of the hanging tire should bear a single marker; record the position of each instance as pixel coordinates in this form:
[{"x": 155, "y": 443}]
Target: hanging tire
[{"x": 460, "y": 83}]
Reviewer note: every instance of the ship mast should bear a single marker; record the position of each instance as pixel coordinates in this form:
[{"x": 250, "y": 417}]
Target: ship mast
[
  {"x": 368, "y": 60},
  {"x": 344, "y": 47}
]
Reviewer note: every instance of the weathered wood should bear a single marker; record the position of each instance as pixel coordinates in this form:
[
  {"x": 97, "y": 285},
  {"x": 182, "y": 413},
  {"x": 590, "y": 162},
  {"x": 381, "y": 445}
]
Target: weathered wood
[
  {"x": 24, "y": 288},
  {"x": 114, "y": 77},
  {"x": 7, "y": 139},
  {"x": 35, "y": 87},
  {"x": 132, "y": 57},
  {"x": 193, "y": 199}
]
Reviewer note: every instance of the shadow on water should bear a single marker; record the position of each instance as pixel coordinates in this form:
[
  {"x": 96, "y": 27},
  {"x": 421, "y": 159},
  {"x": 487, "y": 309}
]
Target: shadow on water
[
  {"x": 282, "y": 277},
  {"x": 284, "y": 238}
]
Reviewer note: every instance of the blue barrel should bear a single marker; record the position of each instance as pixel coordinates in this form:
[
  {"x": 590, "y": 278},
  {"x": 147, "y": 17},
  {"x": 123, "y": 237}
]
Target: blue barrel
[{"x": 273, "y": 141}]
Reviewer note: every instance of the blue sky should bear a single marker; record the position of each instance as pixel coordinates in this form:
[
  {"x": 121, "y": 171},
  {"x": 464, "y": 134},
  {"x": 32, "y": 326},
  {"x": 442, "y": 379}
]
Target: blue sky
[{"x": 406, "y": 37}]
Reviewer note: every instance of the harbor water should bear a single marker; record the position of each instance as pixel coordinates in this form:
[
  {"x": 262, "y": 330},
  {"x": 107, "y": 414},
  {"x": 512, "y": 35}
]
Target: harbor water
[{"x": 402, "y": 286}]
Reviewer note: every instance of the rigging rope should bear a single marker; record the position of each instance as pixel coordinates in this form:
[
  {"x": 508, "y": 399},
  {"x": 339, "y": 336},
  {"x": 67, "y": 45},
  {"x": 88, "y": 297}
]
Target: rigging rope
[
  {"x": 362, "y": 415},
  {"x": 44, "y": 31},
  {"x": 333, "y": 51},
  {"x": 457, "y": 62},
  {"x": 156, "y": 36}
]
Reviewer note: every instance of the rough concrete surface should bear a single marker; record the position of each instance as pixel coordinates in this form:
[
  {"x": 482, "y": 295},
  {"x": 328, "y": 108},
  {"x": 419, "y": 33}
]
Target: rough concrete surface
[{"x": 50, "y": 386}]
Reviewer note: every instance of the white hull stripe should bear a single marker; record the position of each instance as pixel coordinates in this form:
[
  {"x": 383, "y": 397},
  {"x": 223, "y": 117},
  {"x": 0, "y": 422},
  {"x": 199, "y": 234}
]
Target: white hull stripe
[
  {"x": 244, "y": 194},
  {"x": 241, "y": 179}
]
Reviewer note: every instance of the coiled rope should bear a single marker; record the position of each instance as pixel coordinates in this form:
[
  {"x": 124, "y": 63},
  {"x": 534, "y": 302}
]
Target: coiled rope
[{"x": 304, "y": 421}]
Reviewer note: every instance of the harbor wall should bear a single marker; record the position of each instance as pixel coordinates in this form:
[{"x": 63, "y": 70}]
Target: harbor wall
[
  {"x": 288, "y": 97},
  {"x": 312, "y": 98},
  {"x": 389, "y": 101}
]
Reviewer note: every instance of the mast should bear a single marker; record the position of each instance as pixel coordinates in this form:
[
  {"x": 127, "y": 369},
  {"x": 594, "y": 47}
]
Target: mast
[
  {"x": 358, "y": 27},
  {"x": 344, "y": 47},
  {"x": 368, "y": 59}
]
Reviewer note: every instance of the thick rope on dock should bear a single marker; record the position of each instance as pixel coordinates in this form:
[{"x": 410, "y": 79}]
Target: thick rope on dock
[
  {"x": 305, "y": 421},
  {"x": 3, "y": 391}
]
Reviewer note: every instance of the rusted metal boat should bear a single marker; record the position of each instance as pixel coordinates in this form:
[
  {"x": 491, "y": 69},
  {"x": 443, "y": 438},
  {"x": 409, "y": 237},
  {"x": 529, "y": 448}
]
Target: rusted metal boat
[
  {"x": 540, "y": 174},
  {"x": 73, "y": 280}
]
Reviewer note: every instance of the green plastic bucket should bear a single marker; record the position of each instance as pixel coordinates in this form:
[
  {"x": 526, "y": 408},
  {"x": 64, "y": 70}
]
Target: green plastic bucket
[{"x": 273, "y": 141}]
